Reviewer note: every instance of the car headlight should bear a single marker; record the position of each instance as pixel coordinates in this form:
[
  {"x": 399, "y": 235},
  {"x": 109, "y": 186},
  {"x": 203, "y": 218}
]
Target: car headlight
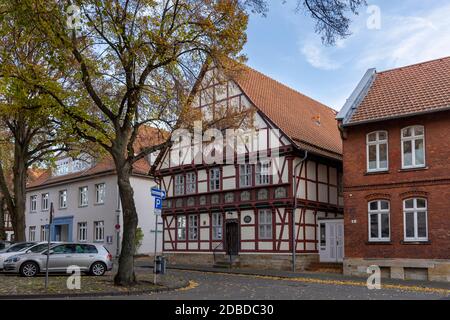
[{"x": 12, "y": 260}]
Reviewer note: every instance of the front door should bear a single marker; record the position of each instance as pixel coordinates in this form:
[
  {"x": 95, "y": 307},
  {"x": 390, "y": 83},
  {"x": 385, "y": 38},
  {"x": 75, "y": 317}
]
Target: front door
[
  {"x": 232, "y": 238},
  {"x": 331, "y": 240}
]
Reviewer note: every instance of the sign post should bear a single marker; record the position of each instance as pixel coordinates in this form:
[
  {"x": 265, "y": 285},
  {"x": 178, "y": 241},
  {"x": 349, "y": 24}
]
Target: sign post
[
  {"x": 158, "y": 195},
  {"x": 50, "y": 221}
]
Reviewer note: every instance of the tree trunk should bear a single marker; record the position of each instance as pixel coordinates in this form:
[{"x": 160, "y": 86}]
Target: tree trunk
[
  {"x": 2, "y": 219},
  {"x": 125, "y": 275},
  {"x": 19, "y": 185}
]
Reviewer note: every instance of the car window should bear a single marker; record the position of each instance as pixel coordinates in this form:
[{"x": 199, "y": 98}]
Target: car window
[
  {"x": 79, "y": 249},
  {"x": 89, "y": 248},
  {"x": 39, "y": 248},
  {"x": 20, "y": 246},
  {"x": 69, "y": 248},
  {"x": 58, "y": 250}
]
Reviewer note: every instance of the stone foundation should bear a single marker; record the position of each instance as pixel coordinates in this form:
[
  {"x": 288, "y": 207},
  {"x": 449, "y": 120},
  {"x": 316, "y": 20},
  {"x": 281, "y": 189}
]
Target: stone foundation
[
  {"x": 250, "y": 261},
  {"x": 403, "y": 269}
]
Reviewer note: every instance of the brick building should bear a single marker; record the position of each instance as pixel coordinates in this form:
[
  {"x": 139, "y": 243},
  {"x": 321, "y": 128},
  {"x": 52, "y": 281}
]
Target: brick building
[{"x": 397, "y": 196}]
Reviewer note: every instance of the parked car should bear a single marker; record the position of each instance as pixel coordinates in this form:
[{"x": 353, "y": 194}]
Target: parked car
[
  {"x": 13, "y": 250},
  {"x": 4, "y": 244},
  {"x": 94, "y": 259}
]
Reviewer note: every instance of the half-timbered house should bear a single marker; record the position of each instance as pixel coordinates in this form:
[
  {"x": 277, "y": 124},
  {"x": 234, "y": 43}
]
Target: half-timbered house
[{"x": 244, "y": 210}]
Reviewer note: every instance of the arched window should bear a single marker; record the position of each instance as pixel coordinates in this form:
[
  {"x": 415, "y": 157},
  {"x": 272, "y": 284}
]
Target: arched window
[
  {"x": 379, "y": 221},
  {"x": 377, "y": 151},
  {"x": 413, "y": 147},
  {"x": 415, "y": 219}
]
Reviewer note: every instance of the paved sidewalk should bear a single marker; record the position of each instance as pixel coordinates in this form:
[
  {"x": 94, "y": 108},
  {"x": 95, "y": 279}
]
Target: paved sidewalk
[{"x": 336, "y": 277}]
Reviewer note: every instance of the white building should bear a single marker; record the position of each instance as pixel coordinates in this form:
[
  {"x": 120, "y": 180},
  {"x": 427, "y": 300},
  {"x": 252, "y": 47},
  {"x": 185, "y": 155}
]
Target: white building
[{"x": 86, "y": 203}]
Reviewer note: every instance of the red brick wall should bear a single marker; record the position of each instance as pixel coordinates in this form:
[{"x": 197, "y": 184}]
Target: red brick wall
[{"x": 433, "y": 183}]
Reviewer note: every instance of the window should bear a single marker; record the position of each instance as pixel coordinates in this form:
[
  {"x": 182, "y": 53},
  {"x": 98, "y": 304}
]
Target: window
[
  {"x": 83, "y": 197},
  {"x": 44, "y": 202},
  {"x": 82, "y": 231},
  {"x": 214, "y": 179},
  {"x": 245, "y": 175},
  {"x": 191, "y": 182},
  {"x": 377, "y": 151},
  {"x": 63, "y": 199},
  {"x": 413, "y": 147},
  {"x": 217, "y": 226},
  {"x": 193, "y": 227},
  {"x": 181, "y": 228},
  {"x": 32, "y": 234},
  {"x": 340, "y": 183},
  {"x": 100, "y": 193},
  {"x": 179, "y": 185},
  {"x": 33, "y": 203},
  {"x": 379, "y": 228},
  {"x": 263, "y": 173},
  {"x": 415, "y": 219},
  {"x": 44, "y": 233},
  {"x": 265, "y": 224},
  {"x": 99, "y": 231}
]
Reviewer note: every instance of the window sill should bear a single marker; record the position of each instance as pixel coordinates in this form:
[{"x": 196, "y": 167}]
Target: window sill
[
  {"x": 84, "y": 206},
  {"x": 416, "y": 242},
  {"x": 62, "y": 208},
  {"x": 99, "y": 241},
  {"x": 379, "y": 243},
  {"x": 413, "y": 169},
  {"x": 374, "y": 173},
  {"x": 99, "y": 204}
]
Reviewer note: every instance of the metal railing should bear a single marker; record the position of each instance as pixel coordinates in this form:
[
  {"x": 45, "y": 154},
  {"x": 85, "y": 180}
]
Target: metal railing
[{"x": 219, "y": 247}]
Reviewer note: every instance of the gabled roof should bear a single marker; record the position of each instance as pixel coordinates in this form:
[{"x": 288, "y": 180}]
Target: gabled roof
[
  {"x": 105, "y": 165},
  {"x": 407, "y": 91},
  {"x": 308, "y": 123}
]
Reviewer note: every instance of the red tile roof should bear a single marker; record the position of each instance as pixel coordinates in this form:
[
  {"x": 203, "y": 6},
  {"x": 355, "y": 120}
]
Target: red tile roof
[
  {"x": 147, "y": 136},
  {"x": 308, "y": 123},
  {"x": 415, "y": 89}
]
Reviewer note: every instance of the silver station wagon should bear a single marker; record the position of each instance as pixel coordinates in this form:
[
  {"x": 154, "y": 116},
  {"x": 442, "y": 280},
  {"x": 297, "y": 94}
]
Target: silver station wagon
[{"x": 90, "y": 258}]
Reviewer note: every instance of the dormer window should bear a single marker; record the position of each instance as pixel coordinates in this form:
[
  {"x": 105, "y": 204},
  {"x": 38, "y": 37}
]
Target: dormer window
[
  {"x": 413, "y": 147},
  {"x": 69, "y": 165},
  {"x": 377, "y": 151}
]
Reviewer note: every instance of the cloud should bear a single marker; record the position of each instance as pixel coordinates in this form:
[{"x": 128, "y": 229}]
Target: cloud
[
  {"x": 405, "y": 40},
  {"x": 317, "y": 57}
]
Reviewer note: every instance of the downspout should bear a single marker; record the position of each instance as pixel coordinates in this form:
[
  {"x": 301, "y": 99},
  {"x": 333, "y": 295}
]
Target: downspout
[{"x": 294, "y": 240}]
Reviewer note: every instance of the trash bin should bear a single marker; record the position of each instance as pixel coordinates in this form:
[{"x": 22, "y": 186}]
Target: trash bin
[{"x": 160, "y": 265}]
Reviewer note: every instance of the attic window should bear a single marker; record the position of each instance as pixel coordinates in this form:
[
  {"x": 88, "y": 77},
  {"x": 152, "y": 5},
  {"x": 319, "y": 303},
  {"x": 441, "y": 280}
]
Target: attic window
[{"x": 316, "y": 120}]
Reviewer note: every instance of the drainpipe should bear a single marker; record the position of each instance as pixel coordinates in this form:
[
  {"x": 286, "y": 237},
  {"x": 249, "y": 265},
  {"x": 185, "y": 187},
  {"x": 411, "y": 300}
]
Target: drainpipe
[{"x": 293, "y": 211}]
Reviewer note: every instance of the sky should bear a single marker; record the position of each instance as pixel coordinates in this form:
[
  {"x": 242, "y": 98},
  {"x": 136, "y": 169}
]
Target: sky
[{"x": 284, "y": 46}]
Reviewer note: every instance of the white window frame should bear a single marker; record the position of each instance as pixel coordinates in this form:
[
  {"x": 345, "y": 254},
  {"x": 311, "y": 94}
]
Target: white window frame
[
  {"x": 193, "y": 227},
  {"x": 217, "y": 226},
  {"x": 191, "y": 183},
  {"x": 44, "y": 233},
  {"x": 33, "y": 203},
  {"x": 32, "y": 233},
  {"x": 179, "y": 184},
  {"x": 45, "y": 199},
  {"x": 83, "y": 191},
  {"x": 413, "y": 140},
  {"x": 99, "y": 231},
  {"x": 63, "y": 199},
  {"x": 214, "y": 179},
  {"x": 100, "y": 193},
  {"x": 245, "y": 175},
  {"x": 265, "y": 224},
  {"x": 181, "y": 229},
  {"x": 379, "y": 212},
  {"x": 415, "y": 211},
  {"x": 82, "y": 231},
  {"x": 262, "y": 173},
  {"x": 377, "y": 143}
]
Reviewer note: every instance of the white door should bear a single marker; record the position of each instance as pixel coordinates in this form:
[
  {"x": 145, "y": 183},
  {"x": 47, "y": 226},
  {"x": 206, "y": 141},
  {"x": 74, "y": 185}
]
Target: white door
[{"x": 331, "y": 241}]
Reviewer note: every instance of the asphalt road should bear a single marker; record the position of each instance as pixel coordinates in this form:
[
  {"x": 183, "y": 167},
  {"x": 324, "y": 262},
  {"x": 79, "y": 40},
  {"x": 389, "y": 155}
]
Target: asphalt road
[{"x": 214, "y": 286}]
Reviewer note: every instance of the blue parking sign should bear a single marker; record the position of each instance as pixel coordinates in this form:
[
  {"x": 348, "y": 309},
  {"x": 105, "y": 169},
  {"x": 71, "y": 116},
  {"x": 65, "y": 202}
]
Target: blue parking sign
[{"x": 158, "y": 203}]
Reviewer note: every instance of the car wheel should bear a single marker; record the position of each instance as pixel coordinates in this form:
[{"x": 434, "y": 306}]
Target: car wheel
[
  {"x": 29, "y": 269},
  {"x": 98, "y": 269}
]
